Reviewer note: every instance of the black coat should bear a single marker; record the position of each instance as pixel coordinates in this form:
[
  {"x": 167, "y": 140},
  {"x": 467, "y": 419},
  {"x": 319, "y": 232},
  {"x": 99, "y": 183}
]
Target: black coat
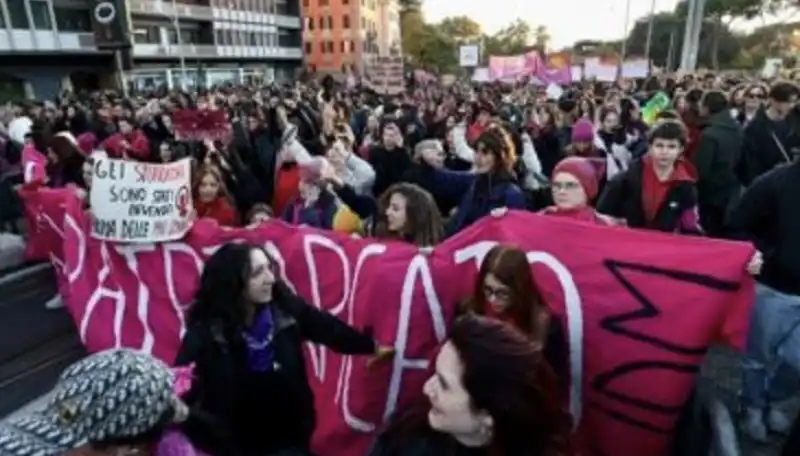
[
  {"x": 767, "y": 215},
  {"x": 761, "y": 152},
  {"x": 223, "y": 381},
  {"x": 718, "y": 153},
  {"x": 622, "y": 198}
]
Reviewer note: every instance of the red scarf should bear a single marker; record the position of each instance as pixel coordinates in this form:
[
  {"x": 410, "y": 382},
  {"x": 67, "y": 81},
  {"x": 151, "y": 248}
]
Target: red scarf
[
  {"x": 490, "y": 311},
  {"x": 581, "y": 214}
]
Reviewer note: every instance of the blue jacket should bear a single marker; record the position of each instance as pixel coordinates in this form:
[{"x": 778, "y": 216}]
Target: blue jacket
[{"x": 475, "y": 201}]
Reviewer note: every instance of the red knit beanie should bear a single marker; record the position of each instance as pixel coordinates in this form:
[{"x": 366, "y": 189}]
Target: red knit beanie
[{"x": 583, "y": 170}]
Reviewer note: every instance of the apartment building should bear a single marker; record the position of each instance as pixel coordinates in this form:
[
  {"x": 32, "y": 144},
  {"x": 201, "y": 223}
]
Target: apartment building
[
  {"x": 50, "y": 45},
  {"x": 340, "y": 34},
  {"x": 206, "y": 42}
]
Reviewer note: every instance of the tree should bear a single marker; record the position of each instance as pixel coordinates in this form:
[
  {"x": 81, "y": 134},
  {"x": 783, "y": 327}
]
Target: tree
[
  {"x": 460, "y": 29},
  {"x": 412, "y": 32},
  {"x": 425, "y": 45},
  {"x": 510, "y": 40},
  {"x": 410, "y": 4},
  {"x": 668, "y": 34}
]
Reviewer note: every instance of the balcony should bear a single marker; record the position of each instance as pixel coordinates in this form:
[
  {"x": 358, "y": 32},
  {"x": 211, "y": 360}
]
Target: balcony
[
  {"x": 174, "y": 50},
  {"x": 163, "y": 8},
  {"x": 27, "y": 40},
  {"x": 210, "y": 51},
  {"x": 290, "y": 22}
]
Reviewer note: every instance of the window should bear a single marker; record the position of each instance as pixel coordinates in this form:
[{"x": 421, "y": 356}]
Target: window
[
  {"x": 146, "y": 35},
  {"x": 341, "y": 47},
  {"x": 330, "y": 22},
  {"x": 322, "y": 46},
  {"x": 310, "y": 23},
  {"x": 330, "y": 47},
  {"x": 305, "y": 3},
  {"x": 308, "y": 47},
  {"x": 323, "y": 2},
  {"x": 345, "y": 2},
  {"x": 73, "y": 19},
  {"x": 322, "y": 23},
  {"x": 352, "y": 46},
  {"x": 17, "y": 16},
  {"x": 219, "y": 37},
  {"x": 2, "y": 20},
  {"x": 41, "y": 15},
  {"x": 346, "y": 21}
]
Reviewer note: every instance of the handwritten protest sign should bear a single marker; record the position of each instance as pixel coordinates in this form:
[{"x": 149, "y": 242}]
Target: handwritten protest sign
[
  {"x": 140, "y": 202},
  {"x": 387, "y": 75}
]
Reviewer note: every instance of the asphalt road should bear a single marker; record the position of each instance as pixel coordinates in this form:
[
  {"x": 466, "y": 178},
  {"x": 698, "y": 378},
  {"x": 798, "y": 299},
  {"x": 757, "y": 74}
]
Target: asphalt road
[{"x": 722, "y": 374}]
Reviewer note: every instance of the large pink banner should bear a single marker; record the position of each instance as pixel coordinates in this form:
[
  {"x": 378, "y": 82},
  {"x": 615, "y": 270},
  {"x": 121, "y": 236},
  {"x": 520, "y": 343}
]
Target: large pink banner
[
  {"x": 640, "y": 308},
  {"x": 511, "y": 68}
]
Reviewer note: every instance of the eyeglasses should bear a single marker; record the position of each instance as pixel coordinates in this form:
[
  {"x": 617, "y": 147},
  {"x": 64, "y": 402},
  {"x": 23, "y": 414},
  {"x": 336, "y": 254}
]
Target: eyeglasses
[
  {"x": 492, "y": 293},
  {"x": 758, "y": 96},
  {"x": 567, "y": 186}
]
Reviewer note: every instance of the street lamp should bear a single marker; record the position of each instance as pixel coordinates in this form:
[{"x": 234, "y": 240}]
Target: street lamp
[
  {"x": 177, "y": 26},
  {"x": 182, "y": 58}
]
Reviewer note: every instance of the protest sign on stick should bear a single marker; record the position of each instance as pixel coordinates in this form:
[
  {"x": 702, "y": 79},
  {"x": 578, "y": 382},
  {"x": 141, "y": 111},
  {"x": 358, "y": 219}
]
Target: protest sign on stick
[
  {"x": 140, "y": 202},
  {"x": 201, "y": 125},
  {"x": 387, "y": 75}
]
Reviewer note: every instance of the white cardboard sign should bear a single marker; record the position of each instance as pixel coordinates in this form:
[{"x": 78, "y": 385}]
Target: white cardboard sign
[{"x": 140, "y": 202}]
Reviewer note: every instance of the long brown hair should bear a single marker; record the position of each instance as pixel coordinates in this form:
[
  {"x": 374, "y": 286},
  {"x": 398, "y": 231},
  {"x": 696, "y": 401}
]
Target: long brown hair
[
  {"x": 527, "y": 308},
  {"x": 204, "y": 170},
  {"x": 506, "y": 376},
  {"x": 423, "y": 226}
]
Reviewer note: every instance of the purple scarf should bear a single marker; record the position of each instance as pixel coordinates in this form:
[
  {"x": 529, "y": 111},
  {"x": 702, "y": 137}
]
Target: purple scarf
[
  {"x": 174, "y": 443},
  {"x": 260, "y": 354}
]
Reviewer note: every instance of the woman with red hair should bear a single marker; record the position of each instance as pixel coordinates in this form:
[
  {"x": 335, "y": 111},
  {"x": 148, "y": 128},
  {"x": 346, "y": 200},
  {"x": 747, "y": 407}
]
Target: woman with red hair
[
  {"x": 492, "y": 394},
  {"x": 211, "y": 199},
  {"x": 506, "y": 290}
]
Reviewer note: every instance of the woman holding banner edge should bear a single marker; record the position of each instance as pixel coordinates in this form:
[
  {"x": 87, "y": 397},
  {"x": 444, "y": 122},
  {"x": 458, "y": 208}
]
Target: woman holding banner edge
[{"x": 250, "y": 395}]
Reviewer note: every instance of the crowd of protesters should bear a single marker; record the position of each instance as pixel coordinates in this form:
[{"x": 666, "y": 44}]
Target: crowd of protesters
[{"x": 416, "y": 167}]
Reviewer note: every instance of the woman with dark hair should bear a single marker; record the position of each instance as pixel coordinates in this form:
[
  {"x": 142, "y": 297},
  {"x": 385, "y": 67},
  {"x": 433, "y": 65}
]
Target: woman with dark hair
[
  {"x": 64, "y": 160},
  {"x": 506, "y": 290},
  {"x": 491, "y": 184},
  {"x": 492, "y": 393},
  {"x": 406, "y": 212},
  {"x": 631, "y": 119},
  {"x": 250, "y": 395}
]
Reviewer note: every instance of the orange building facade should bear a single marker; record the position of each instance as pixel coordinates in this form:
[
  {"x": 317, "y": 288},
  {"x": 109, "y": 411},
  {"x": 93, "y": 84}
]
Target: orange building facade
[{"x": 340, "y": 34}]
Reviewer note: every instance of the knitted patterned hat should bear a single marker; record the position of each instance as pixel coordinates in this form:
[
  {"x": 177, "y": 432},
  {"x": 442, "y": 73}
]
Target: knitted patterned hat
[{"x": 110, "y": 395}]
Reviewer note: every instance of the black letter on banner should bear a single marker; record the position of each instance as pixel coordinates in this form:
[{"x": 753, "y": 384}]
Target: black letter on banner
[{"x": 616, "y": 324}]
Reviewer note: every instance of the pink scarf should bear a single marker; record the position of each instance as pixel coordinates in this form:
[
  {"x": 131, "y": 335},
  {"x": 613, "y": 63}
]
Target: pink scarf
[
  {"x": 34, "y": 164},
  {"x": 175, "y": 443}
]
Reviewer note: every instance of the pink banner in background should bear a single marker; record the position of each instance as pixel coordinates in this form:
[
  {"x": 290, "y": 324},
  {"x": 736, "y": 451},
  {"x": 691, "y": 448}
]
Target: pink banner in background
[
  {"x": 634, "y": 349},
  {"x": 509, "y": 67}
]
